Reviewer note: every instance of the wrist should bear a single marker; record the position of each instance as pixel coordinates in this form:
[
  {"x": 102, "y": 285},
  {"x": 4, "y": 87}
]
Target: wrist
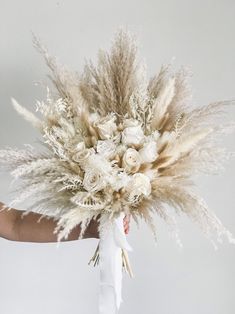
[
  {"x": 92, "y": 230},
  {"x": 8, "y": 218}
]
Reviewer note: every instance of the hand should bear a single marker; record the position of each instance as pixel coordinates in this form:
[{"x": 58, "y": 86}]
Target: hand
[
  {"x": 126, "y": 223},
  {"x": 92, "y": 230}
]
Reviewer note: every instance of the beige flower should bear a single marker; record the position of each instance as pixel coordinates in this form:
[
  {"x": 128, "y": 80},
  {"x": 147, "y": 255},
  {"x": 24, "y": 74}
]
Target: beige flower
[
  {"x": 148, "y": 152},
  {"x": 93, "y": 181},
  {"x": 130, "y": 122},
  {"x": 120, "y": 180},
  {"x": 80, "y": 146},
  {"x": 93, "y": 117},
  {"x": 82, "y": 155},
  {"x": 131, "y": 160},
  {"x": 106, "y": 127},
  {"x": 138, "y": 186},
  {"x": 106, "y": 148},
  {"x": 132, "y": 135}
]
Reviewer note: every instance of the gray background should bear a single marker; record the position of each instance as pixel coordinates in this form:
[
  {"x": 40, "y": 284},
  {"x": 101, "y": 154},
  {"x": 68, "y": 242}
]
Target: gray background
[{"x": 39, "y": 278}]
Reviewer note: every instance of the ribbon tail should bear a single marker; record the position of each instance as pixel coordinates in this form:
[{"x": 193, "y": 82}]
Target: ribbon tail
[{"x": 111, "y": 245}]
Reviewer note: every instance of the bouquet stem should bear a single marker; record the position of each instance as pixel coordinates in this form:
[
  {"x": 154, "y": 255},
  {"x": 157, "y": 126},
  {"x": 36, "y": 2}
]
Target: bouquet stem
[{"x": 111, "y": 255}]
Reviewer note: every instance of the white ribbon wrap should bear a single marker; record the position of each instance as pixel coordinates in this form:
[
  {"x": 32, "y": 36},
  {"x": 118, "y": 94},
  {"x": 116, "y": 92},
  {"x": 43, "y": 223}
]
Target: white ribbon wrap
[{"x": 112, "y": 241}]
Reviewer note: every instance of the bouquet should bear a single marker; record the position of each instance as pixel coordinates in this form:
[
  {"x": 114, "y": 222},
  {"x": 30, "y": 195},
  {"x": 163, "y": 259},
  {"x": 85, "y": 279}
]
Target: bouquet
[{"x": 115, "y": 143}]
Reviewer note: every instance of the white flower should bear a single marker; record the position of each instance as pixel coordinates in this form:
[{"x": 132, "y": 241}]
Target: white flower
[
  {"x": 138, "y": 185},
  {"x": 93, "y": 117},
  {"x": 119, "y": 181},
  {"x": 130, "y": 122},
  {"x": 82, "y": 155},
  {"x": 132, "y": 135},
  {"x": 93, "y": 181},
  {"x": 131, "y": 160},
  {"x": 106, "y": 148},
  {"x": 98, "y": 163},
  {"x": 80, "y": 146},
  {"x": 155, "y": 135},
  {"x": 106, "y": 126},
  {"x": 148, "y": 152}
]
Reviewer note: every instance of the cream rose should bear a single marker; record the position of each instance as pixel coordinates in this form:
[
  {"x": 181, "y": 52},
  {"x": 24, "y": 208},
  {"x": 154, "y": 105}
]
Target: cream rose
[
  {"x": 148, "y": 152},
  {"x": 106, "y": 148},
  {"x": 93, "y": 117},
  {"x": 132, "y": 135},
  {"x": 93, "y": 181},
  {"x": 80, "y": 146},
  {"x": 106, "y": 127},
  {"x": 138, "y": 185},
  {"x": 82, "y": 155},
  {"x": 130, "y": 122},
  {"x": 119, "y": 181},
  {"x": 131, "y": 160}
]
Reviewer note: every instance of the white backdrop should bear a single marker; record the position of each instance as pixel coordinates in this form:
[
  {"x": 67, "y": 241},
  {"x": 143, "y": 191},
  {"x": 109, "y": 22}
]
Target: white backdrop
[{"x": 39, "y": 278}]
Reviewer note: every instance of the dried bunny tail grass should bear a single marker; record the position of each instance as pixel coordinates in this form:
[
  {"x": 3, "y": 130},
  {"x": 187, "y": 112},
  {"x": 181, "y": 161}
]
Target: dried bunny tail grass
[
  {"x": 182, "y": 146},
  {"x": 206, "y": 156},
  {"x": 42, "y": 200},
  {"x": 38, "y": 167},
  {"x": 27, "y": 115},
  {"x": 158, "y": 81},
  {"x": 161, "y": 103},
  {"x": 187, "y": 202},
  {"x": 11, "y": 158},
  {"x": 144, "y": 212},
  {"x": 47, "y": 206},
  {"x": 205, "y": 116},
  {"x": 109, "y": 86},
  {"x": 171, "y": 96},
  {"x": 65, "y": 81},
  {"x": 204, "y": 159},
  {"x": 34, "y": 189},
  {"x": 170, "y": 221},
  {"x": 209, "y": 223},
  {"x": 72, "y": 218},
  {"x": 182, "y": 100}
]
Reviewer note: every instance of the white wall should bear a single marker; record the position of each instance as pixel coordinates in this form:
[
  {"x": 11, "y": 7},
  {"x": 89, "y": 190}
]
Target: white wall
[{"x": 38, "y": 278}]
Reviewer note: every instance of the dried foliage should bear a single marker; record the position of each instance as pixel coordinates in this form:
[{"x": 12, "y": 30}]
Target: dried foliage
[{"x": 117, "y": 141}]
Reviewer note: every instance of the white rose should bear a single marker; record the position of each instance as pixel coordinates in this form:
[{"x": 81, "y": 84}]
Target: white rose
[
  {"x": 93, "y": 117},
  {"x": 80, "y": 146},
  {"x": 138, "y": 185},
  {"x": 131, "y": 160},
  {"x": 106, "y": 148},
  {"x": 155, "y": 135},
  {"x": 130, "y": 122},
  {"x": 119, "y": 181},
  {"x": 106, "y": 127},
  {"x": 98, "y": 163},
  {"x": 148, "y": 152},
  {"x": 82, "y": 156},
  {"x": 93, "y": 181},
  {"x": 132, "y": 135}
]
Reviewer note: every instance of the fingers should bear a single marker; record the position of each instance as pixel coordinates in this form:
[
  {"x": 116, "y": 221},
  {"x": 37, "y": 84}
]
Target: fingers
[
  {"x": 126, "y": 223},
  {"x": 92, "y": 230}
]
